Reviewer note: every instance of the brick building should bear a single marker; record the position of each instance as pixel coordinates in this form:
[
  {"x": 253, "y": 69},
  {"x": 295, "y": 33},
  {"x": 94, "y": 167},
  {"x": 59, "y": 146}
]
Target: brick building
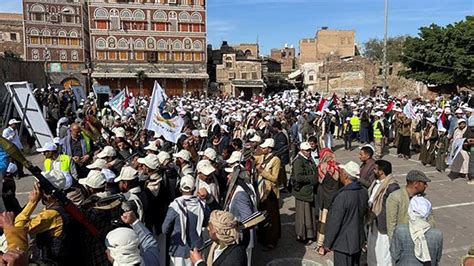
[
  {"x": 56, "y": 33},
  {"x": 351, "y": 75},
  {"x": 327, "y": 42},
  {"x": 163, "y": 39},
  {"x": 237, "y": 76},
  {"x": 287, "y": 57},
  {"x": 11, "y": 33}
]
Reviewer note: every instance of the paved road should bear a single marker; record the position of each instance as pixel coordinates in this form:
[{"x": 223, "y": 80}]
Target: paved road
[{"x": 453, "y": 203}]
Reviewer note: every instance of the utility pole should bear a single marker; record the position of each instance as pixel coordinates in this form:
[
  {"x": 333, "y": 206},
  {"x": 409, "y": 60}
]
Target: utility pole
[{"x": 384, "y": 61}]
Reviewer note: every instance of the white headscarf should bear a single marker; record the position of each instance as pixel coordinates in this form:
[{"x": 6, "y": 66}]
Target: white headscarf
[
  {"x": 418, "y": 212},
  {"x": 123, "y": 245}
]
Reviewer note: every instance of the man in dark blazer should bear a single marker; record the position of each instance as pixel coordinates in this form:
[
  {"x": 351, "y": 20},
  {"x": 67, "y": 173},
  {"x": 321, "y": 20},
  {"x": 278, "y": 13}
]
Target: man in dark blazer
[
  {"x": 345, "y": 223},
  {"x": 282, "y": 151}
]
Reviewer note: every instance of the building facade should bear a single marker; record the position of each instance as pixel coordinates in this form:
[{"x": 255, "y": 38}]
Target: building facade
[
  {"x": 11, "y": 34},
  {"x": 287, "y": 57},
  {"x": 241, "y": 77},
  {"x": 56, "y": 33},
  {"x": 326, "y": 43},
  {"x": 134, "y": 43}
]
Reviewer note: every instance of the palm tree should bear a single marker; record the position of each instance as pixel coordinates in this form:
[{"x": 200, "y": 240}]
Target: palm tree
[{"x": 141, "y": 76}]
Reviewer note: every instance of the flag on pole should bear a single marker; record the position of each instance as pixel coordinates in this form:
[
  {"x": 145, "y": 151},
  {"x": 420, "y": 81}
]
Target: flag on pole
[
  {"x": 389, "y": 107},
  {"x": 441, "y": 119},
  {"x": 409, "y": 111},
  {"x": 119, "y": 103},
  {"x": 321, "y": 104},
  {"x": 169, "y": 124}
]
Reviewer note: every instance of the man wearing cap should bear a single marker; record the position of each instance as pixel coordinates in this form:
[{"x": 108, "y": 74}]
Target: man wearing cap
[
  {"x": 304, "y": 175},
  {"x": 109, "y": 154},
  {"x": 345, "y": 222},
  {"x": 268, "y": 168},
  {"x": 404, "y": 136},
  {"x": 207, "y": 187},
  {"x": 282, "y": 150},
  {"x": 11, "y": 133},
  {"x": 53, "y": 161},
  {"x": 453, "y": 122},
  {"x": 51, "y": 225},
  {"x": 430, "y": 136},
  {"x": 378, "y": 134},
  {"x": 397, "y": 201},
  {"x": 185, "y": 219},
  {"x": 417, "y": 243},
  {"x": 460, "y": 165},
  {"x": 183, "y": 161},
  {"x": 355, "y": 122},
  {"x": 130, "y": 187}
]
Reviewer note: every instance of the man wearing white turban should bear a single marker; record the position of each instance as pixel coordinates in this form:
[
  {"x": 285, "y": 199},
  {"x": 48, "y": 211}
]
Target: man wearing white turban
[
  {"x": 417, "y": 243},
  {"x": 130, "y": 247},
  {"x": 225, "y": 249}
]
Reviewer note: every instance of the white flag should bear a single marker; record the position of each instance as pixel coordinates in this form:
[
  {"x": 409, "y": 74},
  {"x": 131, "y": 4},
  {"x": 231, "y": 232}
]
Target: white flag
[{"x": 160, "y": 120}]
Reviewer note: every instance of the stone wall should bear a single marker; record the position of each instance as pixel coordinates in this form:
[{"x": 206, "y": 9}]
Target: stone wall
[{"x": 11, "y": 71}]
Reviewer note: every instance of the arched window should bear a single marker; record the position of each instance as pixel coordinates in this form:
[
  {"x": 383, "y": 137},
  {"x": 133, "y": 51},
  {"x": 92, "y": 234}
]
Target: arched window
[
  {"x": 34, "y": 31},
  {"x": 159, "y": 16},
  {"x": 68, "y": 10},
  {"x": 37, "y": 8},
  {"x": 150, "y": 43},
  {"x": 46, "y": 32},
  {"x": 197, "y": 45},
  {"x": 101, "y": 13},
  {"x": 112, "y": 42},
  {"x": 73, "y": 34},
  {"x": 68, "y": 15},
  {"x": 122, "y": 44},
  {"x": 162, "y": 45},
  {"x": 139, "y": 44},
  {"x": 126, "y": 14},
  {"x": 177, "y": 45},
  {"x": 101, "y": 43},
  {"x": 37, "y": 12},
  {"x": 196, "y": 17},
  {"x": 184, "y": 16},
  {"x": 139, "y": 14},
  {"x": 62, "y": 33}
]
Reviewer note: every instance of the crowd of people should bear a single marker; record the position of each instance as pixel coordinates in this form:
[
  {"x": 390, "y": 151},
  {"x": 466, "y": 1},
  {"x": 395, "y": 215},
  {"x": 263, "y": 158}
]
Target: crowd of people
[{"x": 155, "y": 202}]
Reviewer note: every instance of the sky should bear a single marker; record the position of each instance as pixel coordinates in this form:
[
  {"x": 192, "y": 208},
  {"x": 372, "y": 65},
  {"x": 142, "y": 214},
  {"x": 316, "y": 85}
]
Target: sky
[{"x": 276, "y": 22}]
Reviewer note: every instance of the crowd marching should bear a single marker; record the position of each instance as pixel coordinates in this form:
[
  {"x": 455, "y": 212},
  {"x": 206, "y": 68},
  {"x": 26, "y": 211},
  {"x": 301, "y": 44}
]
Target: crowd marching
[{"x": 155, "y": 201}]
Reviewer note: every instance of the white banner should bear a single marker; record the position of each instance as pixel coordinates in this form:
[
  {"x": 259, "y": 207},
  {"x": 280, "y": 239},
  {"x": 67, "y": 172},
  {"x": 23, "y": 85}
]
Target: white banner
[
  {"x": 166, "y": 122},
  {"x": 455, "y": 149}
]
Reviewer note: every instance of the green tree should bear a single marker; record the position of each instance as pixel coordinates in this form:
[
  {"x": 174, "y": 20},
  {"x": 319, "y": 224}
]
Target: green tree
[
  {"x": 373, "y": 49},
  {"x": 10, "y": 55},
  {"x": 441, "y": 55}
]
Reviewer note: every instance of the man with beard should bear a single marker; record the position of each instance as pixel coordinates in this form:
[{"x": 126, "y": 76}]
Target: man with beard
[{"x": 398, "y": 201}]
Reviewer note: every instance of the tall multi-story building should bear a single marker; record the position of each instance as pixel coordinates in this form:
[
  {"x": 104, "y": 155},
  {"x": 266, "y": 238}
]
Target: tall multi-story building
[
  {"x": 11, "y": 33},
  {"x": 56, "y": 33},
  {"x": 286, "y": 56},
  {"x": 327, "y": 42},
  {"x": 134, "y": 43}
]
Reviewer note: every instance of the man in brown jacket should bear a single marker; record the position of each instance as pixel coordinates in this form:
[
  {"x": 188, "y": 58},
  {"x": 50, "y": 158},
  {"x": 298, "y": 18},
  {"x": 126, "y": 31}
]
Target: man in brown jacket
[{"x": 367, "y": 167}]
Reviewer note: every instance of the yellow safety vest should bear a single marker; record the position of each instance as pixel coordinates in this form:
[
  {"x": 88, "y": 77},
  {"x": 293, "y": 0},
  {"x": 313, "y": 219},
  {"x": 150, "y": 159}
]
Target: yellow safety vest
[
  {"x": 64, "y": 163},
  {"x": 355, "y": 122},
  {"x": 377, "y": 133}
]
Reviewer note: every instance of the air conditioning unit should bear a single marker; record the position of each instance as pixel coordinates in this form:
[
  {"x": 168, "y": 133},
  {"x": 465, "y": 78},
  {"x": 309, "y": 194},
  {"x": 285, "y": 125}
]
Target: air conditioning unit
[{"x": 152, "y": 57}]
